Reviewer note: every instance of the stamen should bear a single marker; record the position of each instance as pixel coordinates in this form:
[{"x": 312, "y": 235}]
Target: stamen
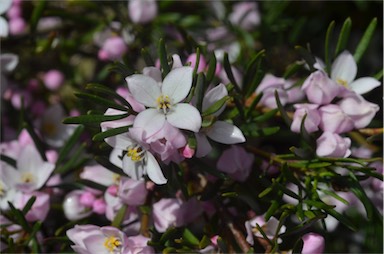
[
  {"x": 27, "y": 177},
  {"x": 163, "y": 103},
  {"x": 342, "y": 82},
  {"x": 112, "y": 244},
  {"x": 136, "y": 153}
]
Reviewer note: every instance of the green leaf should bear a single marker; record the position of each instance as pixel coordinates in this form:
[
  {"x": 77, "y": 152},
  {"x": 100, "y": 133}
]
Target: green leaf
[
  {"x": 256, "y": 132},
  {"x": 105, "y": 90},
  {"x": 292, "y": 69},
  {"x": 69, "y": 144},
  {"x": 197, "y": 62},
  {"x": 379, "y": 76},
  {"x": 307, "y": 56},
  {"x": 344, "y": 35},
  {"x": 228, "y": 70},
  {"x": 360, "y": 194},
  {"x": 216, "y": 106},
  {"x": 327, "y": 55},
  {"x": 102, "y": 101},
  {"x": 199, "y": 91},
  {"x": 163, "y": 58},
  {"x": 119, "y": 218},
  {"x": 29, "y": 205},
  {"x": 36, "y": 14},
  {"x": 253, "y": 105},
  {"x": 84, "y": 119},
  {"x": 283, "y": 113},
  {"x": 343, "y": 219},
  {"x": 335, "y": 196},
  {"x": 253, "y": 74},
  {"x": 190, "y": 238},
  {"x": 76, "y": 160},
  {"x": 169, "y": 234},
  {"x": 8, "y": 160},
  {"x": 120, "y": 68},
  {"x": 19, "y": 217},
  {"x": 147, "y": 57},
  {"x": 205, "y": 241},
  {"x": 364, "y": 41},
  {"x": 92, "y": 184},
  {"x": 36, "y": 140},
  {"x": 111, "y": 132},
  {"x": 211, "y": 68},
  {"x": 107, "y": 164},
  {"x": 319, "y": 204},
  {"x": 271, "y": 210},
  {"x": 266, "y": 116}
]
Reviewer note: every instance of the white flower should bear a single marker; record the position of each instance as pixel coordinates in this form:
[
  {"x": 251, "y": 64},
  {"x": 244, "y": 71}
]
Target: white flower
[
  {"x": 164, "y": 101},
  {"x": 4, "y": 6},
  {"x": 8, "y": 176},
  {"x": 138, "y": 160},
  {"x": 344, "y": 70}
]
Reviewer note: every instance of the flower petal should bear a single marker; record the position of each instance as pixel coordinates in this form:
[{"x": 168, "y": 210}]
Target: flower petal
[
  {"x": 214, "y": 95},
  {"x": 225, "y": 133},
  {"x": 184, "y": 116},
  {"x": 3, "y": 27},
  {"x": 153, "y": 72},
  {"x": 364, "y": 85},
  {"x": 203, "y": 145},
  {"x": 8, "y": 61},
  {"x": 151, "y": 120},
  {"x": 120, "y": 141},
  {"x": 154, "y": 171},
  {"x": 177, "y": 84},
  {"x": 144, "y": 89},
  {"x": 5, "y": 5},
  {"x": 344, "y": 68},
  {"x": 134, "y": 169}
]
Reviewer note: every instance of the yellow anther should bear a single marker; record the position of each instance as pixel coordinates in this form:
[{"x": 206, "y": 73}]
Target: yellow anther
[
  {"x": 342, "y": 82},
  {"x": 163, "y": 103},
  {"x": 27, "y": 177},
  {"x": 112, "y": 243},
  {"x": 136, "y": 153}
]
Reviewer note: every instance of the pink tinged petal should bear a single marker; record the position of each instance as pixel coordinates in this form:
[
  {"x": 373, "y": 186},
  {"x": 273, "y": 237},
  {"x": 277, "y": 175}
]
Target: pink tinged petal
[
  {"x": 203, "y": 145},
  {"x": 225, "y": 133},
  {"x": 144, "y": 89},
  {"x": 184, "y": 116},
  {"x": 153, "y": 72},
  {"x": 154, "y": 171},
  {"x": 95, "y": 244},
  {"x": 364, "y": 85},
  {"x": 117, "y": 123},
  {"x": 177, "y": 84},
  {"x": 151, "y": 120},
  {"x": 313, "y": 243},
  {"x": 213, "y": 96},
  {"x": 344, "y": 68}
]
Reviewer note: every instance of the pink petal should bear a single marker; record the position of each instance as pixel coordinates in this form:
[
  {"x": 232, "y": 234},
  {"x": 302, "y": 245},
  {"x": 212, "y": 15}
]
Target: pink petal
[
  {"x": 184, "y": 116},
  {"x": 144, "y": 89},
  {"x": 151, "y": 120},
  {"x": 344, "y": 67},
  {"x": 225, "y": 133},
  {"x": 177, "y": 84}
]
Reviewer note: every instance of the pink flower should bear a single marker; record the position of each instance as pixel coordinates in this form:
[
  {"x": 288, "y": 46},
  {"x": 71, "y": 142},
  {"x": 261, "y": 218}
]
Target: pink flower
[
  {"x": 164, "y": 102},
  {"x": 17, "y": 26},
  {"x": 138, "y": 244},
  {"x": 358, "y": 109},
  {"x": 53, "y": 79},
  {"x": 332, "y": 145},
  {"x": 320, "y": 89},
  {"x": 236, "y": 162},
  {"x": 142, "y": 11},
  {"x": 202, "y": 63},
  {"x": 99, "y": 206},
  {"x": 333, "y": 119},
  {"x": 132, "y": 192},
  {"x": 245, "y": 15},
  {"x": 113, "y": 49},
  {"x": 73, "y": 208},
  {"x": 39, "y": 209},
  {"x": 167, "y": 213},
  {"x": 269, "y": 227},
  {"x": 268, "y": 86},
  {"x": 312, "y": 119},
  {"x": 100, "y": 175},
  {"x": 313, "y": 244}
]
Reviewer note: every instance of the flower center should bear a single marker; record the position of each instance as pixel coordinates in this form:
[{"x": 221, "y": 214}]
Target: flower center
[
  {"x": 27, "y": 177},
  {"x": 342, "y": 82},
  {"x": 2, "y": 189},
  {"x": 112, "y": 244},
  {"x": 163, "y": 103},
  {"x": 135, "y": 152},
  {"x": 49, "y": 129}
]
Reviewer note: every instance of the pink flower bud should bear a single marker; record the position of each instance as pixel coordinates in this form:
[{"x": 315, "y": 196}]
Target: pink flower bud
[
  {"x": 202, "y": 63},
  {"x": 312, "y": 118},
  {"x": 52, "y": 156},
  {"x": 99, "y": 206},
  {"x": 188, "y": 152},
  {"x": 87, "y": 199},
  {"x": 113, "y": 189},
  {"x": 132, "y": 192},
  {"x": 17, "y": 26},
  {"x": 14, "y": 12},
  {"x": 113, "y": 49},
  {"x": 332, "y": 145},
  {"x": 102, "y": 55},
  {"x": 334, "y": 120},
  {"x": 313, "y": 244},
  {"x": 142, "y": 11},
  {"x": 320, "y": 89},
  {"x": 166, "y": 213},
  {"x": 33, "y": 85},
  {"x": 53, "y": 79}
]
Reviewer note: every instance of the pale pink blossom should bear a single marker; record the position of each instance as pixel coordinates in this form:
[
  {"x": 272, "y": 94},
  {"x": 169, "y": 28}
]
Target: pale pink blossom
[
  {"x": 320, "y": 89},
  {"x": 138, "y": 244},
  {"x": 113, "y": 49},
  {"x": 192, "y": 60},
  {"x": 312, "y": 119},
  {"x": 100, "y": 175},
  {"x": 17, "y": 26},
  {"x": 8, "y": 179},
  {"x": 99, "y": 206},
  {"x": 269, "y": 227},
  {"x": 334, "y": 119},
  {"x": 164, "y": 101},
  {"x": 40, "y": 207},
  {"x": 132, "y": 192},
  {"x": 142, "y": 11},
  {"x": 245, "y": 15},
  {"x": 268, "y": 86},
  {"x": 358, "y": 109},
  {"x": 333, "y": 145},
  {"x": 236, "y": 162},
  {"x": 313, "y": 243},
  {"x": 73, "y": 208},
  {"x": 166, "y": 213},
  {"x": 53, "y": 79}
]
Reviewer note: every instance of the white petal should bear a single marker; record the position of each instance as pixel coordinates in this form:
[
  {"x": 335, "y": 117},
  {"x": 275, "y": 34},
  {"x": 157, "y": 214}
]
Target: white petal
[
  {"x": 5, "y": 5},
  {"x": 225, "y": 133},
  {"x": 144, "y": 89},
  {"x": 203, "y": 145},
  {"x": 214, "y": 95},
  {"x": 177, "y": 84},
  {"x": 154, "y": 171},
  {"x": 344, "y": 68},
  {"x": 134, "y": 169},
  {"x": 8, "y": 61},
  {"x": 3, "y": 27},
  {"x": 364, "y": 85},
  {"x": 29, "y": 159},
  {"x": 151, "y": 120},
  {"x": 184, "y": 116},
  {"x": 153, "y": 72},
  {"x": 43, "y": 173},
  {"x": 121, "y": 141}
]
